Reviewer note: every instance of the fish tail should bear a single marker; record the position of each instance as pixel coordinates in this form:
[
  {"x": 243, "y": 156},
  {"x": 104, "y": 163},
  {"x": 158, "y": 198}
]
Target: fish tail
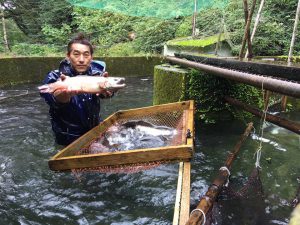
[{"x": 45, "y": 89}]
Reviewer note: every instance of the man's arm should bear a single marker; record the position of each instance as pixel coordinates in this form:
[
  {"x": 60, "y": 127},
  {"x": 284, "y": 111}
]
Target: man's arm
[
  {"x": 59, "y": 96},
  {"x": 63, "y": 96}
]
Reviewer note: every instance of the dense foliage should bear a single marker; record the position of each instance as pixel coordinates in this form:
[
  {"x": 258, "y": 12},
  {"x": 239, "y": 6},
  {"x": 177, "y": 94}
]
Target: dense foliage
[
  {"x": 272, "y": 37},
  {"x": 209, "y": 92},
  {"x": 52, "y": 23},
  {"x": 30, "y": 16}
]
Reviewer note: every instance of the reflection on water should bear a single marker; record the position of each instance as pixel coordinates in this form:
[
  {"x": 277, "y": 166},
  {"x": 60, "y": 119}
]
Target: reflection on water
[
  {"x": 32, "y": 194},
  {"x": 280, "y": 169}
]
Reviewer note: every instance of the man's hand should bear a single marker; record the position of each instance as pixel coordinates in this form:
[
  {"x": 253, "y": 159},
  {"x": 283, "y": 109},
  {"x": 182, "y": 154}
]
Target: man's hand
[
  {"x": 105, "y": 74},
  {"x": 113, "y": 84},
  {"x": 64, "y": 95},
  {"x": 104, "y": 93}
]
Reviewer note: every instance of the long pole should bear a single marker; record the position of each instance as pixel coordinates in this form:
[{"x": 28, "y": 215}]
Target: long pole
[
  {"x": 194, "y": 18},
  {"x": 256, "y": 24},
  {"x": 290, "y": 125},
  {"x": 4, "y": 31},
  {"x": 289, "y": 62},
  {"x": 294, "y": 34},
  {"x": 247, "y": 29},
  {"x": 215, "y": 188},
  {"x": 275, "y": 85}
]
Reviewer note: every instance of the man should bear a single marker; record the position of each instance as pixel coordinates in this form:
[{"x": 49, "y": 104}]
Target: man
[{"x": 73, "y": 115}]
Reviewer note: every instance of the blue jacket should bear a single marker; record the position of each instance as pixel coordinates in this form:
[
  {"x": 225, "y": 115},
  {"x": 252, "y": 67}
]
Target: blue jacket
[{"x": 71, "y": 120}]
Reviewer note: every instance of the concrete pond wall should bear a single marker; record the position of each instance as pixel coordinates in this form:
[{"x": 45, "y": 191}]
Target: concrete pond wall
[
  {"x": 34, "y": 69},
  {"x": 170, "y": 83}
]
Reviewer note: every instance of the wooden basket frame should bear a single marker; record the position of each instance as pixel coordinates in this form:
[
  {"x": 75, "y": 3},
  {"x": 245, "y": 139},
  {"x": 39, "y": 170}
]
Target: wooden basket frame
[{"x": 67, "y": 160}]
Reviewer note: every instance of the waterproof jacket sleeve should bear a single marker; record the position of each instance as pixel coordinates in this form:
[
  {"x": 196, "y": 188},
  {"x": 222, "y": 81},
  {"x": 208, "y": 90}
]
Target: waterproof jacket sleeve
[{"x": 52, "y": 77}]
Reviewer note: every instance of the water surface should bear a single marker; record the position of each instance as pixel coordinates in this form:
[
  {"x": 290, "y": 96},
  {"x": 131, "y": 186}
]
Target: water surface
[{"x": 32, "y": 194}]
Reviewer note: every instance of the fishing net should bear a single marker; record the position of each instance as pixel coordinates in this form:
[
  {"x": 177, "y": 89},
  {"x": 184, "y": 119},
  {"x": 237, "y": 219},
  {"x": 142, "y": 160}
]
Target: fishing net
[
  {"x": 132, "y": 140},
  {"x": 163, "y": 9},
  {"x": 235, "y": 192},
  {"x": 129, "y": 134},
  {"x": 252, "y": 188}
]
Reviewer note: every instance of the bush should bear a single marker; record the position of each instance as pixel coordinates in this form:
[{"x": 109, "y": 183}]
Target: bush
[
  {"x": 25, "y": 49},
  {"x": 185, "y": 28},
  {"x": 123, "y": 49},
  {"x": 57, "y": 35},
  {"x": 152, "y": 36}
]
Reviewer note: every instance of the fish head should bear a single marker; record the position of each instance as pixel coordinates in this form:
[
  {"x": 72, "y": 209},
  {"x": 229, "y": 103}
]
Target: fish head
[
  {"x": 115, "y": 83},
  {"x": 116, "y": 80}
]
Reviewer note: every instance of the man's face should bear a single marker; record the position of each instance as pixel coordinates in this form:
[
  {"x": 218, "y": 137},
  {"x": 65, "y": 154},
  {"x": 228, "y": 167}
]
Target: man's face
[{"x": 80, "y": 57}]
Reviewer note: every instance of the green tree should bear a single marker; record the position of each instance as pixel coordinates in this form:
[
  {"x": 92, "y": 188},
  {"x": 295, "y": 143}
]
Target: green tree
[
  {"x": 25, "y": 14},
  {"x": 104, "y": 28},
  {"x": 152, "y": 34},
  {"x": 31, "y": 15}
]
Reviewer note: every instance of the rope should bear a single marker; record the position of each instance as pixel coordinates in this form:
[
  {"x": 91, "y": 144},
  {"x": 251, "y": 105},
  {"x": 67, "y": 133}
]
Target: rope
[
  {"x": 226, "y": 169},
  {"x": 200, "y": 210},
  {"x": 262, "y": 122},
  {"x": 258, "y": 156}
]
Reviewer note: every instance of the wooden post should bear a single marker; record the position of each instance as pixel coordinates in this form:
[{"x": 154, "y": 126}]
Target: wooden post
[
  {"x": 194, "y": 18},
  {"x": 247, "y": 29},
  {"x": 290, "y": 125},
  {"x": 267, "y": 95},
  {"x": 185, "y": 195},
  {"x": 249, "y": 43},
  {"x": 182, "y": 203},
  {"x": 6, "y": 46},
  {"x": 219, "y": 37},
  {"x": 294, "y": 34},
  {"x": 283, "y": 103},
  {"x": 284, "y": 98},
  {"x": 295, "y": 217},
  {"x": 218, "y": 43},
  {"x": 207, "y": 201},
  {"x": 255, "y": 24},
  {"x": 246, "y": 14}
]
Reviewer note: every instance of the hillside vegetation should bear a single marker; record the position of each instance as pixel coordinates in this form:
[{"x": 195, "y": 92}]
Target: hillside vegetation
[{"x": 42, "y": 28}]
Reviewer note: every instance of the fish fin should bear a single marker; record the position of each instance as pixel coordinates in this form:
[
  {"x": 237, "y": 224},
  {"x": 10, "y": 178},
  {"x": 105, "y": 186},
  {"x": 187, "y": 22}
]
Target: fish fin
[{"x": 44, "y": 88}]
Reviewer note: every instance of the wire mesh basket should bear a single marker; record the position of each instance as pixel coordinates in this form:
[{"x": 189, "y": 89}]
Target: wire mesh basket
[{"x": 176, "y": 120}]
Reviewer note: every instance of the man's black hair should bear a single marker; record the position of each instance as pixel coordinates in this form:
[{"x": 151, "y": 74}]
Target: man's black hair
[{"x": 80, "y": 39}]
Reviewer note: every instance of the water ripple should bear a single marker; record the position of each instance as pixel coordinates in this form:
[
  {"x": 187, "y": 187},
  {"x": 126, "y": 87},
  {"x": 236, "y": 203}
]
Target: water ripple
[{"x": 32, "y": 194}]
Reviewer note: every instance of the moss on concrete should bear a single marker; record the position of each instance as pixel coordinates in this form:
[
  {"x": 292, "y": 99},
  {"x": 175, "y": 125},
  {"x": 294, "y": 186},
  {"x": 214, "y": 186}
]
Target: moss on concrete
[
  {"x": 280, "y": 58},
  {"x": 172, "y": 84},
  {"x": 192, "y": 46},
  {"x": 197, "y": 42},
  {"x": 22, "y": 70},
  {"x": 131, "y": 66},
  {"x": 169, "y": 84}
]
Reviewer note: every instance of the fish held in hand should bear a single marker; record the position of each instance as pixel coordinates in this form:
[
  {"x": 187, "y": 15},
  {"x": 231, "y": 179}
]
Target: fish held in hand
[{"x": 85, "y": 84}]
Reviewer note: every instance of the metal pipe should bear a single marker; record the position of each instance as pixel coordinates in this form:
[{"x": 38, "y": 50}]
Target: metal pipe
[
  {"x": 290, "y": 125},
  {"x": 275, "y": 85}
]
